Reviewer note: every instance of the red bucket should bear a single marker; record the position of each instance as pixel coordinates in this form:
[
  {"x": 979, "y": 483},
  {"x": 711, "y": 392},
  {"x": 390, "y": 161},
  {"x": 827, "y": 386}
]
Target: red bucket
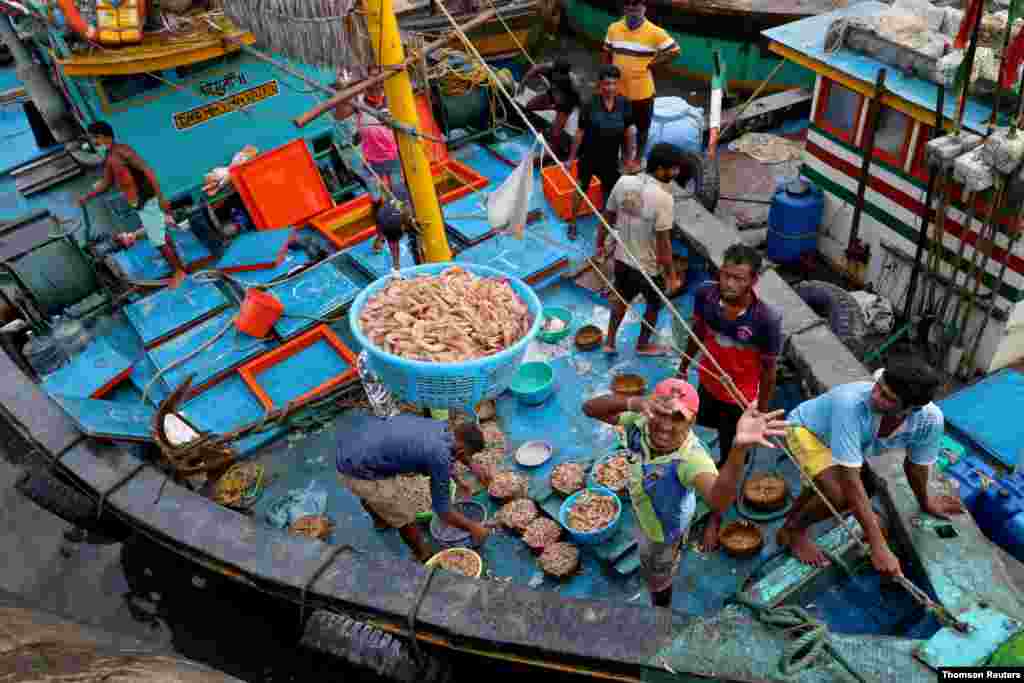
[{"x": 260, "y": 311}]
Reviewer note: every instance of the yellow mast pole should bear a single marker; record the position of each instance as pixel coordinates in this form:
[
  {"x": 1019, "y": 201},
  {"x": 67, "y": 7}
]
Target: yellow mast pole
[{"x": 387, "y": 43}]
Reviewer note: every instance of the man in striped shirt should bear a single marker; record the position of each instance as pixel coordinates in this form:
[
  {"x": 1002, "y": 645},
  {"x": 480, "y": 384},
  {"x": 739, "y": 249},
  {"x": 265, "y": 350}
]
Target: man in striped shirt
[{"x": 636, "y": 46}]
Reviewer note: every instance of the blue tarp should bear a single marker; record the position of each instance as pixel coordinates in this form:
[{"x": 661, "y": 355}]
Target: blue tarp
[{"x": 986, "y": 414}]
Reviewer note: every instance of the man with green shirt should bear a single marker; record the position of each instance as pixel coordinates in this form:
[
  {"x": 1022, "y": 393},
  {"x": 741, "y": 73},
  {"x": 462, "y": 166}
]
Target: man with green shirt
[{"x": 669, "y": 465}]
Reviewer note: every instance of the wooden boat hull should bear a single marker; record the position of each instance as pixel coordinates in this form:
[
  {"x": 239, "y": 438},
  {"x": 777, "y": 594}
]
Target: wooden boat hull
[{"x": 748, "y": 64}]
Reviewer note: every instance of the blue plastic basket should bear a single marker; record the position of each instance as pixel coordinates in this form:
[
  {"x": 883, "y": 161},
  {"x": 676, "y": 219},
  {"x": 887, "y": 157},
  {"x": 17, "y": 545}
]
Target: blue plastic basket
[
  {"x": 447, "y": 385},
  {"x": 593, "y": 537}
]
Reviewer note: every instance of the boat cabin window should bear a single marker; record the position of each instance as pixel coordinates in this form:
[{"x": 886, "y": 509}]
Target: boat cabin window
[
  {"x": 121, "y": 88},
  {"x": 838, "y": 109},
  {"x": 893, "y": 136}
]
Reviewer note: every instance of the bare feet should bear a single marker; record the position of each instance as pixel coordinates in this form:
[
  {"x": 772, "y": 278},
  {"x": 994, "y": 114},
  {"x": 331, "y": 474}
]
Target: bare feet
[
  {"x": 802, "y": 547},
  {"x": 711, "y": 529}
]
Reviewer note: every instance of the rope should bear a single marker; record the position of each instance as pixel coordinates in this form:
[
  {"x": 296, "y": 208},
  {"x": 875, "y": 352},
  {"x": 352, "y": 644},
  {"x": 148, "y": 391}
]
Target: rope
[
  {"x": 725, "y": 379},
  {"x": 812, "y": 642}
]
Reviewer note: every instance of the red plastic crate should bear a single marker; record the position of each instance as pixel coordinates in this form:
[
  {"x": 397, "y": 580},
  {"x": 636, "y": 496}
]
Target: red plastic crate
[
  {"x": 561, "y": 194},
  {"x": 282, "y": 188}
]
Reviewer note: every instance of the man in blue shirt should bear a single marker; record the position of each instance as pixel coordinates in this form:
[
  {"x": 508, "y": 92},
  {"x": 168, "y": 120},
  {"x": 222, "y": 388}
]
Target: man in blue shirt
[
  {"x": 831, "y": 435},
  {"x": 375, "y": 451},
  {"x": 669, "y": 464}
]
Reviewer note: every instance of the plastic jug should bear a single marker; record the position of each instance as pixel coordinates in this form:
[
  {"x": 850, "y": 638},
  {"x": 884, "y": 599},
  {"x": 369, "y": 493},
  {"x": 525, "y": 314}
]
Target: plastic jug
[{"x": 676, "y": 122}]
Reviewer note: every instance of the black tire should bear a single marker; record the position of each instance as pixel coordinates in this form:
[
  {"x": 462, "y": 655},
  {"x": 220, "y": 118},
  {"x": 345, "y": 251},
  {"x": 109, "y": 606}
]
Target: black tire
[
  {"x": 706, "y": 181},
  {"x": 845, "y": 318},
  {"x": 44, "y": 489}
]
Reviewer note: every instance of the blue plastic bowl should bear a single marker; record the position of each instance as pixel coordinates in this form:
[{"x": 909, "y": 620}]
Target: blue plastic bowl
[
  {"x": 533, "y": 383},
  {"x": 593, "y": 537},
  {"x": 446, "y": 385}
]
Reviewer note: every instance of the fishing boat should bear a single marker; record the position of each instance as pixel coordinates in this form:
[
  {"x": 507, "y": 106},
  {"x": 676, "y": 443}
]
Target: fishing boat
[
  {"x": 701, "y": 28},
  {"x": 938, "y": 272},
  {"x": 127, "y": 393}
]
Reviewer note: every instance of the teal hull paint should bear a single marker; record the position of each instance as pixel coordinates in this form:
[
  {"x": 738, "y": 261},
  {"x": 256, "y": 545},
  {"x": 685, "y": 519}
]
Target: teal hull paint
[
  {"x": 747, "y": 64},
  {"x": 181, "y": 158}
]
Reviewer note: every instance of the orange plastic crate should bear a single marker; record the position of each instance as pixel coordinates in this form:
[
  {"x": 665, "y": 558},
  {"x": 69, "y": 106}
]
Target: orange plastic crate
[
  {"x": 282, "y": 187},
  {"x": 454, "y": 180},
  {"x": 561, "y": 194},
  {"x": 320, "y": 333},
  {"x": 346, "y": 225}
]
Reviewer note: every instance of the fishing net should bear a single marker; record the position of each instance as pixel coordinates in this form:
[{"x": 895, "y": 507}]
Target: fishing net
[{"x": 326, "y": 33}]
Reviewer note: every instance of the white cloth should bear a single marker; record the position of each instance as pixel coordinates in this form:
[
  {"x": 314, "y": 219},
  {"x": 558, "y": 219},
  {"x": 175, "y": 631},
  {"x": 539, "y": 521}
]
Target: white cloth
[{"x": 508, "y": 206}]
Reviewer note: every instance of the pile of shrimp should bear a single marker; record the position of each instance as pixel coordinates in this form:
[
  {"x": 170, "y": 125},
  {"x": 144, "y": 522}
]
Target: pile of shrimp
[
  {"x": 559, "y": 559},
  {"x": 592, "y": 512},
  {"x": 613, "y": 473},
  {"x": 447, "y": 318}
]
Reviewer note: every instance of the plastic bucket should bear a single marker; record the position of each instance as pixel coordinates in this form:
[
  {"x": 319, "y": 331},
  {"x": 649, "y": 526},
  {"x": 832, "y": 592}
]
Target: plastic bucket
[{"x": 260, "y": 310}]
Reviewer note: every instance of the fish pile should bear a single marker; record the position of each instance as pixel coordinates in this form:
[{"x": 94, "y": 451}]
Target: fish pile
[
  {"x": 506, "y": 485},
  {"x": 415, "y": 488},
  {"x": 541, "y": 533},
  {"x": 567, "y": 478},
  {"x": 592, "y": 512},
  {"x": 452, "y": 317},
  {"x": 518, "y": 514},
  {"x": 462, "y": 563},
  {"x": 560, "y": 559},
  {"x": 613, "y": 473}
]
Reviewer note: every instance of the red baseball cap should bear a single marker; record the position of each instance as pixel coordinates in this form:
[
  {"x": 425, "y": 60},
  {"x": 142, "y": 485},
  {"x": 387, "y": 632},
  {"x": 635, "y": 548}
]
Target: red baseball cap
[{"x": 681, "y": 395}]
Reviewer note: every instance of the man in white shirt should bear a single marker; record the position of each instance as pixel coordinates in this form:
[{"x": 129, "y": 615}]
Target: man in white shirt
[{"x": 642, "y": 209}]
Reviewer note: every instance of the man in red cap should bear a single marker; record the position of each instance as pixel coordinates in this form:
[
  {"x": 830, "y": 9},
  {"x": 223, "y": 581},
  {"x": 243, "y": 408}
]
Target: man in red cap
[{"x": 668, "y": 464}]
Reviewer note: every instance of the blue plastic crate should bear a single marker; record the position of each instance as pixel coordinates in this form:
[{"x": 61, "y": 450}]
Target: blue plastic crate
[{"x": 447, "y": 385}]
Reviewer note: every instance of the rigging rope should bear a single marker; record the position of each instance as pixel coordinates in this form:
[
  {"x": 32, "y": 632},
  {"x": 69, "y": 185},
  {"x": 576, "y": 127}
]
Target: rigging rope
[{"x": 726, "y": 380}]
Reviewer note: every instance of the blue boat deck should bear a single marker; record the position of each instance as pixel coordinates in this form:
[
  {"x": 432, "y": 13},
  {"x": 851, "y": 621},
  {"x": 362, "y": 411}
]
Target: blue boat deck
[{"x": 304, "y": 461}]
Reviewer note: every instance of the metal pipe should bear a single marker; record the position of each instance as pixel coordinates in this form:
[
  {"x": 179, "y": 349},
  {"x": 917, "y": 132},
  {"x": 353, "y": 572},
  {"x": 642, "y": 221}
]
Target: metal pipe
[
  {"x": 922, "y": 237},
  {"x": 867, "y": 145},
  {"x": 38, "y": 85}
]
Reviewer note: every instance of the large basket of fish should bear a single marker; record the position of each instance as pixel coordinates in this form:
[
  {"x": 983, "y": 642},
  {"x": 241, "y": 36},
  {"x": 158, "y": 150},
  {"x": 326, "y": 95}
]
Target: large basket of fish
[{"x": 446, "y": 335}]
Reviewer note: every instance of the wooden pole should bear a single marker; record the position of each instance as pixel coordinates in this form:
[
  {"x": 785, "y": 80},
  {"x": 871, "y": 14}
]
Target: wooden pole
[
  {"x": 922, "y": 237},
  {"x": 350, "y": 92},
  {"x": 853, "y": 254}
]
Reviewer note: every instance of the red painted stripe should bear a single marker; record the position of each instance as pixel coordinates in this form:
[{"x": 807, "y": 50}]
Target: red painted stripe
[{"x": 916, "y": 207}]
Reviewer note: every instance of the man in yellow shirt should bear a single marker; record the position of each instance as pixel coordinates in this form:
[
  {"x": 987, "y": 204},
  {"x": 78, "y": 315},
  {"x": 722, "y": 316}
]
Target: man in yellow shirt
[{"x": 636, "y": 46}]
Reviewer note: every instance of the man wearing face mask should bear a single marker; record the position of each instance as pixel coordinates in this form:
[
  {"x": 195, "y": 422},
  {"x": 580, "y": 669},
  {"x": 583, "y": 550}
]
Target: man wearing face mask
[
  {"x": 669, "y": 465},
  {"x": 831, "y": 435},
  {"x": 744, "y": 336},
  {"x": 137, "y": 182},
  {"x": 637, "y": 46}
]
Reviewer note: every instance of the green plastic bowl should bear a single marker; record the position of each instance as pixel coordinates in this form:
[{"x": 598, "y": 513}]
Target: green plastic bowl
[
  {"x": 563, "y": 314},
  {"x": 534, "y": 383}
]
